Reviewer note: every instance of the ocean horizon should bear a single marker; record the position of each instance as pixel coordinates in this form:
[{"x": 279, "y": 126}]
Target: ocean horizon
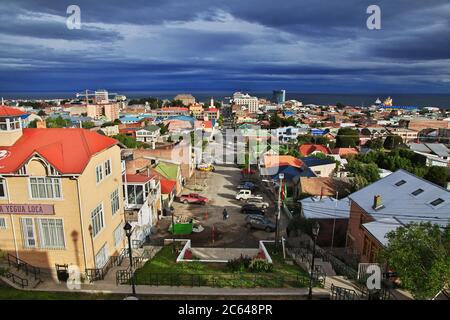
[{"x": 357, "y": 99}]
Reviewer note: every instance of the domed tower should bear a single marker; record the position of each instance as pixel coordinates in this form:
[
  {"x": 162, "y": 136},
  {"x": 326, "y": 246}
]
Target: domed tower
[{"x": 11, "y": 125}]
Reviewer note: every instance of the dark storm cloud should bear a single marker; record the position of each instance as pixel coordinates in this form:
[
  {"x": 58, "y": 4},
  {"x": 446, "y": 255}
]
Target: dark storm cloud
[{"x": 213, "y": 44}]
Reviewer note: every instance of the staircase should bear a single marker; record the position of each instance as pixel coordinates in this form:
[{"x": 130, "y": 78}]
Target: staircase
[
  {"x": 303, "y": 258},
  {"x": 19, "y": 273}
]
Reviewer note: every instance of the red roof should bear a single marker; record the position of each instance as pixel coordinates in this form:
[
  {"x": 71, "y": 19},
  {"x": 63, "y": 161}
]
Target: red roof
[
  {"x": 10, "y": 112},
  {"x": 308, "y": 148},
  {"x": 345, "y": 151},
  {"x": 203, "y": 124},
  {"x": 67, "y": 149},
  {"x": 167, "y": 185},
  {"x": 212, "y": 110},
  {"x": 138, "y": 178}
]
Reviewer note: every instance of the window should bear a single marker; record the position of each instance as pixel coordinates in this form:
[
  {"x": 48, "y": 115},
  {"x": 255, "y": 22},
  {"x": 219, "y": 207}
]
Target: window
[
  {"x": 118, "y": 234},
  {"x": 115, "y": 201},
  {"x": 52, "y": 233},
  {"x": 135, "y": 194},
  {"x": 29, "y": 237},
  {"x": 436, "y": 202},
  {"x": 107, "y": 167},
  {"x": 99, "y": 173},
  {"x": 45, "y": 188},
  {"x": 2, "y": 223},
  {"x": 417, "y": 192},
  {"x": 97, "y": 220},
  {"x": 401, "y": 182},
  {"x": 2, "y": 188},
  {"x": 101, "y": 257}
]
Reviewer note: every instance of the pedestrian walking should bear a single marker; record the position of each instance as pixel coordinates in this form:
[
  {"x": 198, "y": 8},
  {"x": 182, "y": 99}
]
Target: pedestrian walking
[{"x": 225, "y": 214}]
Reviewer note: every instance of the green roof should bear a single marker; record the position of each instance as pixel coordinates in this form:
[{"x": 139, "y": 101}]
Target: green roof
[{"x": 167, "y": 170}]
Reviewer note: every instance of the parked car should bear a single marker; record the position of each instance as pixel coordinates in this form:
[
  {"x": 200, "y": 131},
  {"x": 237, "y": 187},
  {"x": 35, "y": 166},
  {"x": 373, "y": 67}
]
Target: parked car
[
  {"x": 206, "y": 167},
  {"x": 247, "y": 185},
  {"x": 244, "y": 194},
  {"x": 257, "y": 202},
  {"x": 251, "y": 209},
  {"x": 259, "y": 222},
  {"x": 193, "y": 198}
]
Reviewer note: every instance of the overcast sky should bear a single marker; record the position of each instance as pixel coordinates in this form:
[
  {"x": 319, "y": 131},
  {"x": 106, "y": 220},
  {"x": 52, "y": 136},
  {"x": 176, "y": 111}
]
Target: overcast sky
[{"x": 209, "y": 45}]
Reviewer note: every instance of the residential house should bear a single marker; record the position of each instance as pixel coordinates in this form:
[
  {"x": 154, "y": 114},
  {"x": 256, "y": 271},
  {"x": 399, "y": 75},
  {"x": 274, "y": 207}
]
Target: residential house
[
  {"x": 332, "y": 215},
  {"x": 391, "y": 202},
  {"x": 345, "y": 152},
  {"x": 437, "y": 154},
  {"x": 148, "y": 134},
  {"x": 325, "y": 187},
  {"x": 61, "y": 197},
  {"x": 321, "y": 167},
  {"x": 307, "y": 149},
  {"x": 142, "y": 203}
]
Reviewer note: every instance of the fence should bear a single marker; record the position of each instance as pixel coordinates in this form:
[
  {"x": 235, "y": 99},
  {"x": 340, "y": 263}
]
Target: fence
[
  {"x": 27, "y": 268},
  {"x": 214, "y": 280}
]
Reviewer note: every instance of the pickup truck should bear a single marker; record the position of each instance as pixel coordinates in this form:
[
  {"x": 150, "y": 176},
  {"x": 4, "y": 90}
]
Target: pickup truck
[
  {"x": 257, "y": 203},
  {"x": 245, "y": 194},
  {"x": 193, "y": 198}
]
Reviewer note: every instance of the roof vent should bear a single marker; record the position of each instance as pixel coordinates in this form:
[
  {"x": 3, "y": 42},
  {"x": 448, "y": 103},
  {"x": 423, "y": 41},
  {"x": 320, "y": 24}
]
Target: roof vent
[{"x": 377, "y": 203}]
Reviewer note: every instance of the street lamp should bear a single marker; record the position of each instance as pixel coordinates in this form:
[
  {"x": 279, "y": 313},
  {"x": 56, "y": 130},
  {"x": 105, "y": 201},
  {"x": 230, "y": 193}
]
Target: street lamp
[
  {"x": 315, "y": 233},
  {"x": 128, "y": 231},
  {"x": 277, "y": 222}
]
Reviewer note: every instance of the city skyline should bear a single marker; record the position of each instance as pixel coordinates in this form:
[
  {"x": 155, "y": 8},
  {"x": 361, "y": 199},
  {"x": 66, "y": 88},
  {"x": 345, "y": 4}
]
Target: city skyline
[{"x": 225, "y": 46}]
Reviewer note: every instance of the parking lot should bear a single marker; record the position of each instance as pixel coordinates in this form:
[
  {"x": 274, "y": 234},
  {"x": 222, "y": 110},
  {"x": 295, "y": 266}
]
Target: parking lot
[{"x": 220, "y": 188}]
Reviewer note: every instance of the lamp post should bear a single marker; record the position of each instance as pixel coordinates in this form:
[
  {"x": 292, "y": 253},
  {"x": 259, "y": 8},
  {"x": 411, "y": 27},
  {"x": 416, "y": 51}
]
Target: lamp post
[
  {"x": 128, "y": 232},
  {"x": 315, "y": 232},
  {"x": 277, "y": 222}
]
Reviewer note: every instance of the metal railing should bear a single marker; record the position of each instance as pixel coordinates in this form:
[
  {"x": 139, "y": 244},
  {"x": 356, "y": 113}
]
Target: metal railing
[
  {"x": 235, "y": 280},
  {"x": 340, "y": 293},
  {"x": 96, "y": 274},
  {"x": 124, "y": 276},
  {"x": 21, "y": 265},
  {"x": 16, "y": 279}
]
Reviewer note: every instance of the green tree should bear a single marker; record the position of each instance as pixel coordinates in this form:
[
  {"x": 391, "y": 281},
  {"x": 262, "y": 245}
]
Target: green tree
[
  {"x": 128, "y": 141},
  {"x": 164, "y": 128},
  {"x": 58, "y": 122},
  {"x": 376, "y": 143},
  {"x": 88, "y": 124},
  {"x": 32, "y": 124},
  {"x": 438, "y": 175},
  {"x": 347, "y": 138},
  {"x": 392, "y": 142},
  {"x": 420, "y": 254},
  {"x": 41, "y": 113}
]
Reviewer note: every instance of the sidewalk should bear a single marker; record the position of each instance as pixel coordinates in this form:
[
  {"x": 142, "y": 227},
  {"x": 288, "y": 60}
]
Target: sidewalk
[{"x": 183, "y": 291}]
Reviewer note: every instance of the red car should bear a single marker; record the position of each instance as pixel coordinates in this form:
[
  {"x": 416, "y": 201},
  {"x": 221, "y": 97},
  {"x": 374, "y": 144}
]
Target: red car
[
  {"x": 248, "y": 171},
  {"x": 193, "y": 198}
]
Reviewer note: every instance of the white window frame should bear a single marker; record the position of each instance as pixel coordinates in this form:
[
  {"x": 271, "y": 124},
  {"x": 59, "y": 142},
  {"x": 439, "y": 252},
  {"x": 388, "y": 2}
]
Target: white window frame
[
  {"x": 26, "y": 238},
  {"x": 45, "y": 183},
  {"x": 104, "y": 248},
  {"x": 119, "y": 228},
  {"x": 5, "y": 188},
  {"x": 41, "y": 234},
  {"x": 115, "y": 195},
  {"x": 110, "y": 167},
  {"x": 99, "y": 174},
  {"x": 94, "y": 235},
  {"x": 3, "y": 225}
]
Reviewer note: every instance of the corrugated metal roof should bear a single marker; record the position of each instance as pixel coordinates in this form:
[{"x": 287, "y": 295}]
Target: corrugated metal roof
[
  {"x": 325, "y": 208},
  {"x": 399, "y": 202}
]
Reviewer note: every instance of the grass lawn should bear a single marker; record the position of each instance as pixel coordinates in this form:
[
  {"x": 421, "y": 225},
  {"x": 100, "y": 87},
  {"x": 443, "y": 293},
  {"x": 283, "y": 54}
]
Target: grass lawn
[
  {"x": 163, "y": 270},
  {"x": 7, "y": 293}
]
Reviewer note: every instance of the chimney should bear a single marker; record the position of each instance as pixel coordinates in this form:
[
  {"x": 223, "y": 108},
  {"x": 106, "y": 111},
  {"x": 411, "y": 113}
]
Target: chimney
[{"x": 377, "y": 203}]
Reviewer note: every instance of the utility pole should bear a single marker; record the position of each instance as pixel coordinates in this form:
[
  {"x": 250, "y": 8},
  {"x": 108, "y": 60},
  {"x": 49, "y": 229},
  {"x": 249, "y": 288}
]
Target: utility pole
[
  {"x": 334, "y": 221},
  {"x": 277, "y": 227}
]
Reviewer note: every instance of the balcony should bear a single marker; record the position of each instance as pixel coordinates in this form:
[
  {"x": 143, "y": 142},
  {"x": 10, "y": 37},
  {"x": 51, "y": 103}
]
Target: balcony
[{"x": 123, "y": 166}]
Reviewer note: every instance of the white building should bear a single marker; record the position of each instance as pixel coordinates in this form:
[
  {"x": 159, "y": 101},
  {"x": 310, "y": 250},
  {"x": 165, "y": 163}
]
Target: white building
[
  {"x": 437, "y": 154},
  {"x": 252, "y": 103}
]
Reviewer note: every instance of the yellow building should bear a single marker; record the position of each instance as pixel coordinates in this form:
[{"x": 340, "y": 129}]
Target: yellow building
[{"x": 61, "y": 197}]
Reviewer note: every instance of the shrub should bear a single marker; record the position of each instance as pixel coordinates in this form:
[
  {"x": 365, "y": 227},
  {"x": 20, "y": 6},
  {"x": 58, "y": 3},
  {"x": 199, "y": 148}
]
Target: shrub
[
  {"x": 239, "y": 264},
  {"x": 260, "y": 265},
  {"x": 187, "y": 254}
]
